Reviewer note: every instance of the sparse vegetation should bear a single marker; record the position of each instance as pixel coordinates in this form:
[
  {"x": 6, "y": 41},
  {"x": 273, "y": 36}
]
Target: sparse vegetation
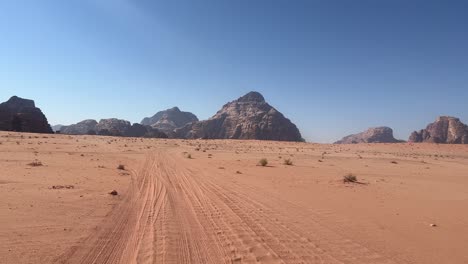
[
  {"x": 188, "y": 156},
  {"x": 288, "y": 162},
  {"x": 394, "y": 162},
  {"x": 35, "y": 163},
  {"x": 263, "y": 162},
  {"x": 350, "y": 178},
  {"x": 121, "y": 167}
]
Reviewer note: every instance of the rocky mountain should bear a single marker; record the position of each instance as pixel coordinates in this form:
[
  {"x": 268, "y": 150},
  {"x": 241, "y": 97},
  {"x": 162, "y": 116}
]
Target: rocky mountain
[
  {"x": 112, "y": 127},
  {"x": 248, "y": 117},
  {"x": 85, "y": 127},
  {"x": 445, "y": 129},
  {"x": 372, "y": 135},
  {"x": 22, "y": 115},
  {"x": 56, "y": 128},
  {"x": 169, "y": 119}
]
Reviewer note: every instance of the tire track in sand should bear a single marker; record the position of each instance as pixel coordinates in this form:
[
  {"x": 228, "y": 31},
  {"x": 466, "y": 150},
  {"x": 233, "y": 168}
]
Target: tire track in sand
[{"x": 176, "y": 214}]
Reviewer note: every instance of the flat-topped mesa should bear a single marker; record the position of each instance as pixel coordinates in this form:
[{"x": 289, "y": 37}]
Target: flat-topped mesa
[
  {"x": 21, "y": 115},
  {"x": 371, "y": 135},
  {"x": 445, "y": 129},
  {"x": 248, "y": 117}
]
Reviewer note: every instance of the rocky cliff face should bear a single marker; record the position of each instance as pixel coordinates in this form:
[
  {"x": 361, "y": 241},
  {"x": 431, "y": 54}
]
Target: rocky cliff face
[
  {"x": 248, "y": 117},
  {"x": 445, "y": 129},
  {"x": 372, "y": 135},
  {"x": 169, "y": 119},
  {"x": 18, "y": 114}
]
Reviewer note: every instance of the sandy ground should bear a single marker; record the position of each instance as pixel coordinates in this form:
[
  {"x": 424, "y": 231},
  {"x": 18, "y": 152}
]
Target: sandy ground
[{"x": 220, "y": 207}]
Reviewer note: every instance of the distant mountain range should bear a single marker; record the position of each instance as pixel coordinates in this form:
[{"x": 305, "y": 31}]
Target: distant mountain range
[{"x": 248, "y": 117}]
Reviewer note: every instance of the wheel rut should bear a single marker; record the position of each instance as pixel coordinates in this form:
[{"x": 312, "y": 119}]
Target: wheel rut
[{"x": 173, "y": 213}]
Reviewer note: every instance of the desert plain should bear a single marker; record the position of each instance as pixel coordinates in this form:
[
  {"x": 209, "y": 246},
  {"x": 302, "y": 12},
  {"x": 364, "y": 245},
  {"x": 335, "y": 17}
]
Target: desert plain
[{"x": 209, "y": 201}]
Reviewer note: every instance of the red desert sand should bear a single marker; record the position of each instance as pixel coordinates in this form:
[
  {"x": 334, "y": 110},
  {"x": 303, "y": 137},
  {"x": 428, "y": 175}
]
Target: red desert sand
[{"x": 90, "y": 199}]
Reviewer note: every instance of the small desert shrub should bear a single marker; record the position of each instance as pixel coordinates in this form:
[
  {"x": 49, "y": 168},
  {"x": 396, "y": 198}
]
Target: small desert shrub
[
  {"x": 394, "y": 162},
  {"x": 35, "y": 163},
  {"x": 288, "y": 162},
  {"x": 349, "y": 178},
  {"x": 121, "y": 167},
  {"x": 188, "y": 156},
  {"x": 263, "y": 162}
]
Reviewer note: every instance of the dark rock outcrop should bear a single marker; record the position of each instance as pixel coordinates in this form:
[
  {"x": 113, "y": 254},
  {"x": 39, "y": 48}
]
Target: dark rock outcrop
[
  {"x": 445, "y": 129},
  {"x": 138, "y": 130},
  {"x": 372, "y": 135},
  {"x": 248, "y": 117},
  {"x": 21, "y": 115},
  {"x": 169, "y": 119}
]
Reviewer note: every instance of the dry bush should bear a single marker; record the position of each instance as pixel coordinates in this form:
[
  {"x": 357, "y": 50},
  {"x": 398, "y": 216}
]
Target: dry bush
[
  {"x": 349, "y": 178},
  {"x": 35, "y": 163},
  {"x": 121, "y": 167},
  {"x": 263, "y": 162},
  {"x": 288, "y": 162}
]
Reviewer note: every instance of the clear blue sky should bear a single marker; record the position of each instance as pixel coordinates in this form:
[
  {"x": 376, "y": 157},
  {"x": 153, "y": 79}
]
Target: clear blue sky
[{"x": 332, "y": 67}]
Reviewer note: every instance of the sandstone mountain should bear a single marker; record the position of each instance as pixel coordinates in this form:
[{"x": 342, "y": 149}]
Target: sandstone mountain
[
  {"x": 18, "y": 114},
  {"x": 112, "y": 127},
  {"x": 85, "y": 127},
  {"x": 169, "y": 119},
  {"x": 248, "y": 117},
  {"x": 372, "y": 135},
  {"x": 445, "y": 129}
]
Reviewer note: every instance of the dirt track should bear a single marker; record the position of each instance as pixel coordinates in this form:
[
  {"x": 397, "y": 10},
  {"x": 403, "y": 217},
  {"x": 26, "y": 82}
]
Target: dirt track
[{"x": 173, "y": 214}]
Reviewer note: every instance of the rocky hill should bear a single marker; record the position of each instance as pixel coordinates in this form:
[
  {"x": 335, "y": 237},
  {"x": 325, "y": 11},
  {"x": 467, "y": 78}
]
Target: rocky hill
[
  {"x": 85, "y": 127},
  {"x": 112, "y": 127},
  {"x": 22, "y": 115},
  {"x": 248, "y": 117},
  {"x": 169, "y": 119},
  {"x": 56, "y": 128},
  {"x": 372, "y": 135},
  {"x": 445, "y": 129}
]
